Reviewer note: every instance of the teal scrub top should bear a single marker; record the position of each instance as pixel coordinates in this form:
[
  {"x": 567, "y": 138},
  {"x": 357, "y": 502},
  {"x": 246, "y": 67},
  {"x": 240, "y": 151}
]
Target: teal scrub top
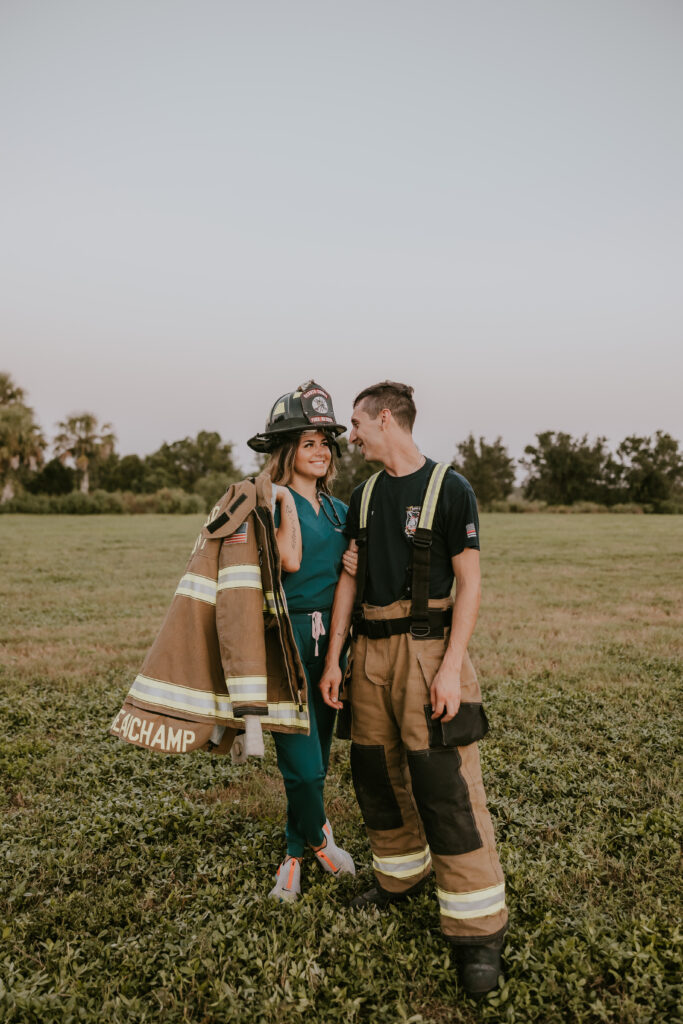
[{"x": 323, "y": 544}]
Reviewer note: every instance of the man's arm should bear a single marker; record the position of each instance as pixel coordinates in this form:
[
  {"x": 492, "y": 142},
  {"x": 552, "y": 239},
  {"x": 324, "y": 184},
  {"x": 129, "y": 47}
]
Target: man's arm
[
  {"x": 344, "y": 596},
  {"x": 445, "y": 689}
]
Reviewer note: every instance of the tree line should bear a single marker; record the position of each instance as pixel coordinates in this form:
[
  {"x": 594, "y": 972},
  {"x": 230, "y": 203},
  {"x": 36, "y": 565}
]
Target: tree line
[{"x": 560, "y": 470}]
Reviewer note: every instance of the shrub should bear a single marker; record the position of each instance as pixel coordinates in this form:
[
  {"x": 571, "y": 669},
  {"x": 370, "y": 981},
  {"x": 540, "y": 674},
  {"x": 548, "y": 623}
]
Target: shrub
[
  {"x": 628, "y": 508},
  {"x": 521, "y": 505},
  {"x": 669, "y": 507},
  {"x": 106, "y": 503},
  {"x": 37, "y": 504},
  {"x": 578, "y": 506}
]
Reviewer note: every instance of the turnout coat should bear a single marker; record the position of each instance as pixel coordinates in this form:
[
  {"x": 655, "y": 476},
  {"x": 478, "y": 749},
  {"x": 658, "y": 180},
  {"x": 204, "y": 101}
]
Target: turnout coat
[{"x": 225, "y": 649}]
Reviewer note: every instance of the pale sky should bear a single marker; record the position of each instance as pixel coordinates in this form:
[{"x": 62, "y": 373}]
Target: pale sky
[{"x": 205, "y": 203}]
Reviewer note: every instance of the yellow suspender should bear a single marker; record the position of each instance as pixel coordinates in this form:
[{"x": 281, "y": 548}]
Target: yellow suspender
[{"x": 432, "y": 496}]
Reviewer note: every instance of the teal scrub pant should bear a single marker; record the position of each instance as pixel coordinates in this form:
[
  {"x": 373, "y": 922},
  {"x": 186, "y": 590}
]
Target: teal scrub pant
[{"x": 303, "y": 760}]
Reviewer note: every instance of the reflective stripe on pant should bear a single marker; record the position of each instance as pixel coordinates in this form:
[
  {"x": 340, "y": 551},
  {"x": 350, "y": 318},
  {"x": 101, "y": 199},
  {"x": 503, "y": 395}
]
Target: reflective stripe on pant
[
  {"x": 303, "y": 760},
  {"x": 419, "y": 783}
]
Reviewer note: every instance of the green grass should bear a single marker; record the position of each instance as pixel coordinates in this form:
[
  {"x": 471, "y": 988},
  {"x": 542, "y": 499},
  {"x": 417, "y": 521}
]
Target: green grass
[{"x": 132, "y": 885}]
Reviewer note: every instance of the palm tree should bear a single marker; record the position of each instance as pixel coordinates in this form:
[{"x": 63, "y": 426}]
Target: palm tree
[
  {"x": 21, "y": 443},
  {"x": 9, "y": 391},
  {"x": 84, "y": 442}
]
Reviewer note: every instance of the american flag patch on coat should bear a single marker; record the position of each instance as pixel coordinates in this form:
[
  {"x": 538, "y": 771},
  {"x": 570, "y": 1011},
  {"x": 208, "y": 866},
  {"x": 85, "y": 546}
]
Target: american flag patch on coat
[
  {"x": 471, "y": 530},
  {"x": 239, "y": 536}
]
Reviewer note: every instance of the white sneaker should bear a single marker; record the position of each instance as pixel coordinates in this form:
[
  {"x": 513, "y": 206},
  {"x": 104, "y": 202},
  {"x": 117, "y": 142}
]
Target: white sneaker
[
  {"x": 331, "y": 857},
  {"x": 287, "y": 886}
]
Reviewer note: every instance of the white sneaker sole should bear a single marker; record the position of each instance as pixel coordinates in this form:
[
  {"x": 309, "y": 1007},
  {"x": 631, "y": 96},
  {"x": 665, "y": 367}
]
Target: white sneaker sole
[
  {"x": 283, "y": 895},
  {"x": 344, "y": 862}
]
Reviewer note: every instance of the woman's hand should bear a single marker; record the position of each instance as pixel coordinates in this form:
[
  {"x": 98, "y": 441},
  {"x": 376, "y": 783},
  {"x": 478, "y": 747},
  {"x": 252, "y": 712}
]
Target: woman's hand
[{"x": 350, "y": 561}]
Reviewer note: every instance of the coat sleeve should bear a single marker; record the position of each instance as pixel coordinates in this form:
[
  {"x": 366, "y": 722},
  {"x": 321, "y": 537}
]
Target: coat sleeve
[{"x": 240, "y": 623}]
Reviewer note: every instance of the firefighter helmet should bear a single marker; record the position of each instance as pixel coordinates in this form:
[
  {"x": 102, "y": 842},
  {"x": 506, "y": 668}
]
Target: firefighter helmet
[{"x": 307, "y": 408}]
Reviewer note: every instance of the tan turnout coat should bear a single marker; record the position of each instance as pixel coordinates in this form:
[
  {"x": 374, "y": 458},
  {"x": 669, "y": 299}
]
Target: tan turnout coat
[{"x": 226, "y": 647}]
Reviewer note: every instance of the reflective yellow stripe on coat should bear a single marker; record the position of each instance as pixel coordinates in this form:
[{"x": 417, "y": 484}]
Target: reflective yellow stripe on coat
[
  {"x": 240, "y": 577},
  {"x": 199, "y": 588}
]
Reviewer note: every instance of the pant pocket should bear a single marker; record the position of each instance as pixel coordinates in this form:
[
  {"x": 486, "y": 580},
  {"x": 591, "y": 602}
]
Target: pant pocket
[
  {"x": 376, "y": 663},
  {"x": 374, "y": 792},
  {"x": 469, "y": 725},
  {"x": 344, "y": 721}
]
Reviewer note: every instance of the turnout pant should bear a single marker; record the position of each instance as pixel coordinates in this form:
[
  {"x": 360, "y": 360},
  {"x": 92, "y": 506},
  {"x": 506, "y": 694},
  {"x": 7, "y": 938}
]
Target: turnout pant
[{"x": 418, "y": 781}]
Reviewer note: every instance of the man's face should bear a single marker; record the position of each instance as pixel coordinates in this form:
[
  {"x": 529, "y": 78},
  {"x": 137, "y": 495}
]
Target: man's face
[{"x": 366, "y": 433}]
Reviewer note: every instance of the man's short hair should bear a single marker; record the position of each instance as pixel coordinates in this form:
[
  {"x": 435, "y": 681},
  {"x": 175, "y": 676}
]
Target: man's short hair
[{"x": 389, "y": 394}]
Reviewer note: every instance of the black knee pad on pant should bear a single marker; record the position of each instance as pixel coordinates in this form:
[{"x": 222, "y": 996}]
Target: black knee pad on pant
[
  {"x": 443, "y": 801},
  {"x": 374, "y": 792}
]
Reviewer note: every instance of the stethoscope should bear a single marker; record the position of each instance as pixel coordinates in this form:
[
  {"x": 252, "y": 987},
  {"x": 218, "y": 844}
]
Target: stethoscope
[{"x": 336, "y": 522}]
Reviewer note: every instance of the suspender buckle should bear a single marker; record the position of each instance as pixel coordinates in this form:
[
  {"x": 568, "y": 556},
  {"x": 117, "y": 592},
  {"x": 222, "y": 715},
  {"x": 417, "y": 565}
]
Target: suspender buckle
[
  {"x": 420, "y": 630},
  {"x": 422, "y": 538}
]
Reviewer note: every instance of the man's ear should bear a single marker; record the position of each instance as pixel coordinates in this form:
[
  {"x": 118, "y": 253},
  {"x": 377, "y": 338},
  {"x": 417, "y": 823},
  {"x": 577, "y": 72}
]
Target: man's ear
[{"x": 385, "y": 418}]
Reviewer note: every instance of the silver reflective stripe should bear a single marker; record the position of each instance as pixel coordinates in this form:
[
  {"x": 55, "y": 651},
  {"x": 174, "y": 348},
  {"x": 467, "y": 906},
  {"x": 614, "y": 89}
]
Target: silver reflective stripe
[
  {"x": 284, "y": 713},
  {"x": 172, "y": 697},
  {"x": 365, "y": 500},
  {"x": 404, "y": 866},
  {"x": 180, "y": 698},
  {"x": 293, "y": 720},
  {"x": 286, "y": 710},
  {"x": 269, "y": 602},
  {"x": 432, "y": 496},
  {"x": 198, "y": 587},
  {"x": 239, "y": 576},
  {"x": 241, "y": 688},
  {"x": 464, "y": 905}
]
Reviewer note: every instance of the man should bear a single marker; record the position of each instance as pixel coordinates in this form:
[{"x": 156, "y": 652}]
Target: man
[{"x": 415, "y": 700}]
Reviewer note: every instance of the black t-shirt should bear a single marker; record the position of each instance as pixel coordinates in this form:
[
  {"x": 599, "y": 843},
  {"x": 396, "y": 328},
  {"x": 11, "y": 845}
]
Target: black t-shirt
[{"x": 394, "y": 512}]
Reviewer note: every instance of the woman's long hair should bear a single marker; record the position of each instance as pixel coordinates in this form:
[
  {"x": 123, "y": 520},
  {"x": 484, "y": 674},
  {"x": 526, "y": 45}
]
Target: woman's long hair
[{"x": 280, "y": 465}]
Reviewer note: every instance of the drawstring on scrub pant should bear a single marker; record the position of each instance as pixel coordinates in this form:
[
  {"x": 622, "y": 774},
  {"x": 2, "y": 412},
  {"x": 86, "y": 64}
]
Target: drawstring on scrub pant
[{"x": 317, "y": 628}]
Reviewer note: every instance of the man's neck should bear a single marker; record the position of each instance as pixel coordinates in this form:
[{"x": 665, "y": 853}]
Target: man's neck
[{"x": 403, "y": 459}]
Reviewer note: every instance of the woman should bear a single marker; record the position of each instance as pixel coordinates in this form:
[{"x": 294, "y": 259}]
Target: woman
[{"x": 299, "y": 437}]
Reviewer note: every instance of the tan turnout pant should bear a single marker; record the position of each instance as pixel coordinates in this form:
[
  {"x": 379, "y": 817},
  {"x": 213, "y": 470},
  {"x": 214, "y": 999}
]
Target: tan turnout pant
[{"x": 419, "y": 782}]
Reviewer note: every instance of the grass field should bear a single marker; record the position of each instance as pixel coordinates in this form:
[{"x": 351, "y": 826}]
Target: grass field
[{"x": 132, "y": 885}]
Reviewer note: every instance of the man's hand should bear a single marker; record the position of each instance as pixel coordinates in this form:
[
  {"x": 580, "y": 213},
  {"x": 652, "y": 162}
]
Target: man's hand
[
  {"x": 330, "y": 681},
  {"x": 444, "y": 693}
]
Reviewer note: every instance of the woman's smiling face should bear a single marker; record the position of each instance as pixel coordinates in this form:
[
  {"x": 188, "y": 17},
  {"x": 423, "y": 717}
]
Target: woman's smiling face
[{"x": 313, "y": 455}]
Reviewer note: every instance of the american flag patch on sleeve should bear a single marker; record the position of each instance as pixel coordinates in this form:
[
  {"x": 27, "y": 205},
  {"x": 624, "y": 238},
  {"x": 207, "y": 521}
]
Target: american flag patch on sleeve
[
  {"x": 471, "y": 530},
  {"x": 239, "y": 536}
]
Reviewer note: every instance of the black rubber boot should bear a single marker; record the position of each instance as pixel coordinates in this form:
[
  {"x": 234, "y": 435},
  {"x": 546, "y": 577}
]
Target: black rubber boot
[
  {"x": 479, "y": 967},
  {"x": 379, "y": 897}
]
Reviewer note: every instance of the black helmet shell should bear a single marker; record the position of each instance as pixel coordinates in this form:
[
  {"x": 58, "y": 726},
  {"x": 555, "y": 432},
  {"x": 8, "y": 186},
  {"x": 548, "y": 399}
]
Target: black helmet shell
[{"x": 307, "y": 408}]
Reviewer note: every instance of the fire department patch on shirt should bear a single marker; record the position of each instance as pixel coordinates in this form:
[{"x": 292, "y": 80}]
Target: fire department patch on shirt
[
  {"x": 412, "y": 517},
  {"x": 471, "y": 530},
  {"x": 239, "y": 536}
]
